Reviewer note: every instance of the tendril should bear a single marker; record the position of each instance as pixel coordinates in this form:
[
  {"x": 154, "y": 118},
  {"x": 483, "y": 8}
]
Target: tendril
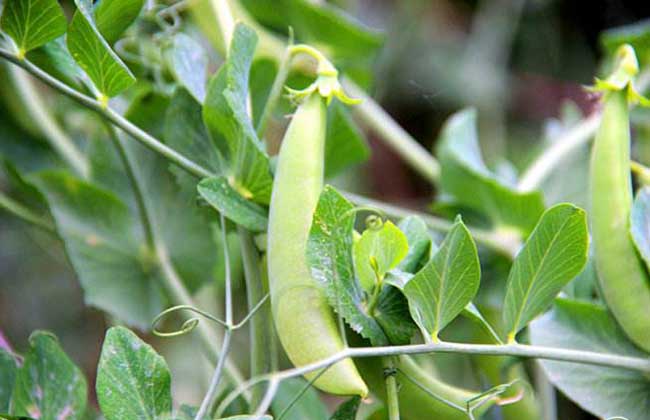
[{"x": 187, "y": 326}]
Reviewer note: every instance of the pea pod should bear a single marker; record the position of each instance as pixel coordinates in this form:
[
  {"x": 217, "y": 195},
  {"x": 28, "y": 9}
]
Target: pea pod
[
  {"x": 621, "y": 274},
  {"x": 305, "y": 323}
]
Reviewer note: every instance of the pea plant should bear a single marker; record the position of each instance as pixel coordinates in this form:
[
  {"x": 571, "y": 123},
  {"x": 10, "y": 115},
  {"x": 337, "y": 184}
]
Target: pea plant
[{"x": 196, "y": 143}]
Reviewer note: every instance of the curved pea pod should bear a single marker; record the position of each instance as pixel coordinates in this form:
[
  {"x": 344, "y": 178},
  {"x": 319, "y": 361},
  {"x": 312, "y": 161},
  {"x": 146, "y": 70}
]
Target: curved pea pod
[
  {"x": 622, "y": 277},
  {"x": 306, "y": 325}
]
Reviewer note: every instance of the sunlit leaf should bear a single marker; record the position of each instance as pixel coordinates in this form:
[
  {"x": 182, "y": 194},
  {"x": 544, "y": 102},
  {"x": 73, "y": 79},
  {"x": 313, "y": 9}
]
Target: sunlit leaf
[
  {"x": 552, "y": 256},
  {"x": 32, "y": 23},
  {"x": 113, "y": 17},
  {"x": 133, "y": 381}
]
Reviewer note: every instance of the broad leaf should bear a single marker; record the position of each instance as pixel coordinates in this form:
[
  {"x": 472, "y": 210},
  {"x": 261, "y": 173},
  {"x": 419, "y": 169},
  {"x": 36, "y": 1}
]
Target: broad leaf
[
  {"x": 446, "y": 284},
  {"x": 184, "y": 131},
  {"x": 640, "y": 223},
  {"x": 49, "y": 385},
  {"x": 113, "y": 17},
  {"x": 329, "y": 255},
  {"x": 133, "y": 381},
  {"x": 56, "y": 60},
  {"x": 392, "y": 314},
  {"x": 8, "y": 370},
  {"x": 419, "y": 242},
  {"x": 308, "y": 407},
  {"x": 225, "y": 113},
  {"x": 347, "y": 410},
  {"x": 189, "y": 63},
  {"x": 378, "y": 250},
  {"x": 465, "y": 176},
  {"x": 606, "y": 392},
  {"x": 32, "y": 23},
  {"x": 115, "y": 268},
  {"x": 90, "y": 50},
  {"x": 472, "y": 313},
  {"x": 225, "y": 199},
  {"x": 345, "y": 144},
  {"x": 552, "y": 256}
]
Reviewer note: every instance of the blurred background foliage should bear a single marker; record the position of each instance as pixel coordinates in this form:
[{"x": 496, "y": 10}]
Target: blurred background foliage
[{"x": 519, "y": 62}]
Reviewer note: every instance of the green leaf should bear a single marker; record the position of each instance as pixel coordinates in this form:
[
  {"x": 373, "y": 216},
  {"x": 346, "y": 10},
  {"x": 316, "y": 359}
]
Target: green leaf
[
  {"x": 345, "y": 144},
  {"x": 189, "y": 63},
  {"x": 472, "y": 313},
  {"x": 32, "y": 23},
  {"x": 392, "y": 314},
  {"x": 640, "y": 224},
  {"x": 329, "y": 255},
  {"x": 552, "y": 256},
  {"x": 308, "y": 407},
  {"x": 115, "y": 268},
  {"x": 49, "y": 386},
  {"x": 378, "y": 251},
  {"x": 184, "y": 131},
  {"x": 133, "y": 381},
  {"x": 248, "y": 417},
  {"x": 636, "y": 34},
  {"x": 56, "y": 60},
  {"x": 8, "y": 370},
  {"x": 93, "y": 54},
  {"x": 420, "y": 244},
  {"x": 606, "y": 392},
  {"x": 440, "y": 291},
  {"x": 220, "y": 195},
  {"x": 113, "y": 17},
  {"x": 465, "y": 176},
  {"x": 225, "y": 114},
  {"x": 347, "y": 410}
]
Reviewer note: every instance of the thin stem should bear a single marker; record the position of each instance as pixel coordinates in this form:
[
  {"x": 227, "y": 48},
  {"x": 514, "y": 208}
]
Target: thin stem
[
  {"x": 24, "y": 213},
  {"x": 211, "y": 394},
  {"x": 577, "y": 136},
  {"x": 275, "y": 93},
  {"x": 391, "y": 389},
  {"x": 504, "y": 244},
  {"x": 112, "y": 116},
  {"x": 48, "y": 127},
  {"x": 382, "y": 124}
]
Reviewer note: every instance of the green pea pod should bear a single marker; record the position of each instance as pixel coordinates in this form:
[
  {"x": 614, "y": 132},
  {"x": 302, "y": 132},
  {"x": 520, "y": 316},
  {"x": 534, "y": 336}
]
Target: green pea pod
[
  {"x": 306, "y": 325},
  {"x": 621, "y": 274}
]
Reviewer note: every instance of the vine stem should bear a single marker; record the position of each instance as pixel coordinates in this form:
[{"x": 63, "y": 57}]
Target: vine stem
[
  {"x": 46, "y": 124},
  {"x": 22, "y": 212},
  {"x": 513, "y": 349},
  {"x": 575, "y": 137},
  {"x": 391, "y": 389},
  {"x": 507, "y": 245}
]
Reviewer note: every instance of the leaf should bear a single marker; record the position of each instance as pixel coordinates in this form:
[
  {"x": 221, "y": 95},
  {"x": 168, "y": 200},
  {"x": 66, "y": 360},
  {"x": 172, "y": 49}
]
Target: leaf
[
  {"x": 93, "y": 54},
  {"x": 308, "y": 407},
  {"x": 636, "y": 34},
  {"x": 56, "y": 60},
  {"x": 133, "y": 381},
  {"x": 8, "y": 370},
  {"x": 329, "y": 255},
  {"x": 184, "y": 131},
  {"x": 378, "y": 251},
  {"x": 114, "y": 266},
  {"x": 392, "y": 314},
  {"x": 606, "y": 392},
  {"x": 49, "y": 385},
  {"x": 113, "y": 17},
  {"x": 465, "y": 176},
  {"x": 472, "y": 313},
  {"x": 440, "y": 291},
  {"x": 32, "y": 23},
  {"x": 220, "y": 195},
  {"x": 552, "y": 256},
  {"x": 189, "y": 63},
  {"x": 345, "y": 144},
  {"x": 420, "y": 244},
  {"x": 225, "y": 114},
  {"x": 347, "y": 410},
  {"x": 640, "y": 224}
]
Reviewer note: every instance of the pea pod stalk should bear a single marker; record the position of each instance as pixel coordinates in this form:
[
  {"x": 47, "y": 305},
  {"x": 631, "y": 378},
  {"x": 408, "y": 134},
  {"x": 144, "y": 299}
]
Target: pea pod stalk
[
  {"x": 622, "y": 276},
  {"x": 305, "y": 323}
]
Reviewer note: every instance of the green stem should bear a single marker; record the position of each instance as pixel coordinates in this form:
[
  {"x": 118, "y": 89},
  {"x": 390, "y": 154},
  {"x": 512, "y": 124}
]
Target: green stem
[
  {"x": 48, "y": 127},
  {"x": 382, "y": 124},
  {"x": 112, "y": 116},
  {"x": 275, "y": 93},
  {"x": 501, "y": 243},
  {"x": 391, "y": 389},
  {"x": 17, "y": 209}
]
